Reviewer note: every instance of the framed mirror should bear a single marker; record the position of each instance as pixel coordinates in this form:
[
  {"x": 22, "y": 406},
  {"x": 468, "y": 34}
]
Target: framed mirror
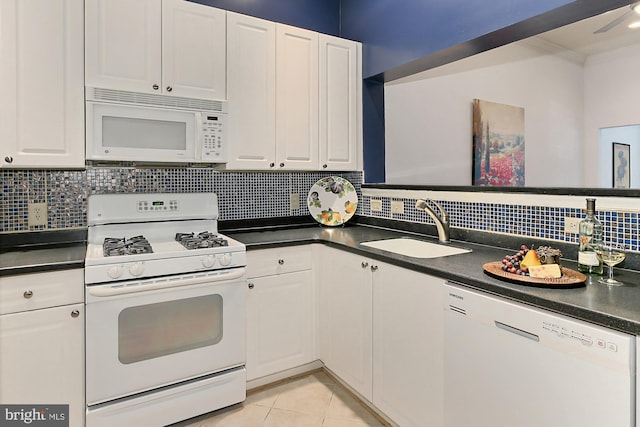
[{"x": 576, "y": 84}]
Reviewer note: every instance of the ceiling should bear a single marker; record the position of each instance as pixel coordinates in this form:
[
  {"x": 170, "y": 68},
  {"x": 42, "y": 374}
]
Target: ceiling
[{"x": 579, "y": 37}]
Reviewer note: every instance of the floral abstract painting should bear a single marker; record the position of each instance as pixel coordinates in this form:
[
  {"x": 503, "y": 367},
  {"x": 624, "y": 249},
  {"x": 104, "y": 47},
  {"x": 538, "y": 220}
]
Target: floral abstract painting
[{"x": 498, "y": 144}]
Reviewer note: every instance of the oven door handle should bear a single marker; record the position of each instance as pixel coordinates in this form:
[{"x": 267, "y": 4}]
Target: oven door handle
[{"x": 164, "y": 283}]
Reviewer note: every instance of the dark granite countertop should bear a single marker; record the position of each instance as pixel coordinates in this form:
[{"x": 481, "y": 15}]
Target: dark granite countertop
[
  {"x": 40, "y": 252},
  {"x": 614, "y": 307}
]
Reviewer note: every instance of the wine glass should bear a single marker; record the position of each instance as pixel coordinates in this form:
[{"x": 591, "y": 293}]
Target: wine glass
[{"x": 611, "y": 254}]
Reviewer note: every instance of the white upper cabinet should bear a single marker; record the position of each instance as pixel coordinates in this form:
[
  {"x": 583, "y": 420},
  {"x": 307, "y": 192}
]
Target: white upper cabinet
[
  {"x": 296, "y": 98},
  {"x": 170, "y": 47},
  {"x": 41, "y": 84},
  {"x": 340, "y": 111},
  {"x": 251, "y": 77},
  {"x": 194, "y": 50}
]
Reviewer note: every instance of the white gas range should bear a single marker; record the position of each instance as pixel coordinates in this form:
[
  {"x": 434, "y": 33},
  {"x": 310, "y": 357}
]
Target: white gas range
[{"x": 165, "y": 295}]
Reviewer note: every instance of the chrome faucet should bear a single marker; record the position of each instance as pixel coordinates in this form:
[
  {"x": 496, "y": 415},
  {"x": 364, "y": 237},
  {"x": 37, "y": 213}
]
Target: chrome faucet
[{"x": 442, "y": 221}]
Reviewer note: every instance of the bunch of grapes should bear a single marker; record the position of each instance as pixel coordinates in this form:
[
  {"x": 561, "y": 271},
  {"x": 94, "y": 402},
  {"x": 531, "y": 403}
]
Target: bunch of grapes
[{"x": 511, "y": 263}]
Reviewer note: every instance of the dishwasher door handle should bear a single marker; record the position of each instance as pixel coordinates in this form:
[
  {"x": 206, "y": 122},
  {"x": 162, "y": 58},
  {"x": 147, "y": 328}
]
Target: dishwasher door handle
[{"x": 517, "y": 331}]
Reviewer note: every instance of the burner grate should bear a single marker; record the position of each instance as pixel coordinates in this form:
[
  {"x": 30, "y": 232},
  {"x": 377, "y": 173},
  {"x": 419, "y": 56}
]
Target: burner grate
[
  {"x": 114, "y": 246},
  {"x": 204, "y": 239}
]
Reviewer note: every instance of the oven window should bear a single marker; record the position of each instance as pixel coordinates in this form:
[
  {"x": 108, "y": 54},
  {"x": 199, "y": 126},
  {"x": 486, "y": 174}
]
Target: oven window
[{"x": 160, "y": 329}]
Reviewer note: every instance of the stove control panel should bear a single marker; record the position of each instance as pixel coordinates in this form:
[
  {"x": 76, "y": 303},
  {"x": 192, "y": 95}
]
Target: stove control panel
[
  {"x": 157, "y": 205},
  {"x": 105, "y": 209},
  {"x": 185, "y": 264}
]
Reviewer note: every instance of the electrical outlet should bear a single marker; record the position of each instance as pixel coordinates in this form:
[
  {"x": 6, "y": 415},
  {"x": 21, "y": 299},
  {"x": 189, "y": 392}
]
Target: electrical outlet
[
  {"x": 397, "y": 207},
  {"x": 294, "y": 201},
  {"x": 572, "y": 225},
  {"x": 37, "y": 214},
  {"x": 376, "y": 205}
]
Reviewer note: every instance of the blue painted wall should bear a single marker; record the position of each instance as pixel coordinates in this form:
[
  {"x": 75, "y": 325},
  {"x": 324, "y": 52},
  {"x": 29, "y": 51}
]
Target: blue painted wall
[
  {"x": 322, "y": 16},
  {"x": 396, "y": 32}
]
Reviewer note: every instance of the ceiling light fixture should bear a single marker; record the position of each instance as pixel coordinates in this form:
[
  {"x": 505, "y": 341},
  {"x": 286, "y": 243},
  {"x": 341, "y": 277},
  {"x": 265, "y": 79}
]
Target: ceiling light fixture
[
  {"x": 634, "y": 25},
  {"x": 636, "y": 7}
]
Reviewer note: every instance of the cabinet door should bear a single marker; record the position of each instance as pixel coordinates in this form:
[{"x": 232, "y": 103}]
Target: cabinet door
[
  {"x": 296, "y": 98},
  {"x": 193, "y": 50},
  {"x": 280, "y": 326},
  {"x": 123, "y": 45},
  {"x": 346, "y": 318},
  {"x": 41, "y": 84},
  {"x": 42, "y": 360},
  {"x": 408, "y": 346},
  {"x": 251, "y": 91},
  {"x": 340, "y": 89}
]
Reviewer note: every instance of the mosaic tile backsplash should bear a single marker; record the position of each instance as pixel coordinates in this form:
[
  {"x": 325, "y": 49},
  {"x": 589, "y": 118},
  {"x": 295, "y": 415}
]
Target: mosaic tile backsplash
[
  {"x": 241, "y": 195},
  {"x": 254, "y": 195},
  {"x": 530, "y": 221}
]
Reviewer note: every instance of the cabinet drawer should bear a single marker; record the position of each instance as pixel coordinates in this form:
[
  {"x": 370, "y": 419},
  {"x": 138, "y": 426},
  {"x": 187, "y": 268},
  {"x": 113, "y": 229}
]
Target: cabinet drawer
[
  {"x": 25, "y": 292},
  {"x": 267, "y": 262}
]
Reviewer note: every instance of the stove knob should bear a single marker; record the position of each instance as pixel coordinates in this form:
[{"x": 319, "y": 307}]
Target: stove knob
[
  {"x": 225, "y": 259},
  {"x": 209, "y": 261},
  {"x": 136, "y": 269},
  {"x": 115, "y": 271}
]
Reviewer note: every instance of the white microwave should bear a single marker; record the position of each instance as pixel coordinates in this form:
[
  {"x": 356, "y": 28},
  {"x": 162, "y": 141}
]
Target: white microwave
[{"x": 148, "y": 128}]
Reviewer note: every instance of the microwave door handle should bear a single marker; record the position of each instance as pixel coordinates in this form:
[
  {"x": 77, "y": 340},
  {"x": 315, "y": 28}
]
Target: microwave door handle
[{"x": 152, "y": 285}]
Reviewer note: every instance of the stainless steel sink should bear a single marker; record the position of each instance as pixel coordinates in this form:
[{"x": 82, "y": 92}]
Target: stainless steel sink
[{"x": 415, "y": 248}]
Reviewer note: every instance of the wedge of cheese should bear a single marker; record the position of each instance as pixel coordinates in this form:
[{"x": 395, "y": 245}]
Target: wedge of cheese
[
  {"x": 530, "y": 259},
  {"x": 545, "y": 271}
]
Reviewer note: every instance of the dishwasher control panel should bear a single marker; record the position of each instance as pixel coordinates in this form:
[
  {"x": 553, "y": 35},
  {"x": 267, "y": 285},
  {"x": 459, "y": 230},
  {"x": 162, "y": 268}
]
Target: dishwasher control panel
[{"x": 579, "y": 336}]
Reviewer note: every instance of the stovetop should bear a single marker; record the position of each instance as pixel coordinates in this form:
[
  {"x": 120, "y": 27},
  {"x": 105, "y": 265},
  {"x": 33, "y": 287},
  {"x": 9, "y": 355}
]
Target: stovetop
[
  {"x": 114, "y": 246},
  {"x": 124, "y": 244},
  {"x": 204, "y": 239}
]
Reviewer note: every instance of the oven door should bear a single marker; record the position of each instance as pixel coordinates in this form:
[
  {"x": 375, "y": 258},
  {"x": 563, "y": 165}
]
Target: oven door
[{"x": 146, "y": 334}]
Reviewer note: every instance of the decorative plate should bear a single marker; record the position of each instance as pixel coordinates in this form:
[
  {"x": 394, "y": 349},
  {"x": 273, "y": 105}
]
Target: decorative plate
[
  {"x": 332, "y": 201},
  {"x": 569, "y": 279}
]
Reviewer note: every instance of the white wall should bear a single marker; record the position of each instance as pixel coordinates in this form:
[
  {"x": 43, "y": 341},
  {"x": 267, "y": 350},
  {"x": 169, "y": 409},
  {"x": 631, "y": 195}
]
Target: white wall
[
  {"x": 612, "y": 98},
  {"x": 428, "y": 118}
]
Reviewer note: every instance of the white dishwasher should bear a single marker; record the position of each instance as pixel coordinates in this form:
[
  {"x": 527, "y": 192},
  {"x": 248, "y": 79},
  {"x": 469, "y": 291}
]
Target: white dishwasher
[{"x": 511, "y": 365}]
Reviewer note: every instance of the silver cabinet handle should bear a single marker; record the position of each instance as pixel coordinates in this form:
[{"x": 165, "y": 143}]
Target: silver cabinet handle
[
  {"x": 75, "y": 313},
  {"x": 324, "y": 166},
  {"x": 271, "y": 165},
  {"x": 281, "y": 165},
  {"x": 281, "y": 261},
  {"x": 374, "y": 268},
  {"x": 155, "y": 87},
  {"x": 251, "y": 286},
  {"x": 8, "y": 159},
  {"x": 27, "y": 294},
  {"x": 169, "y": 88},
  {"x": 364, "y": 264}
]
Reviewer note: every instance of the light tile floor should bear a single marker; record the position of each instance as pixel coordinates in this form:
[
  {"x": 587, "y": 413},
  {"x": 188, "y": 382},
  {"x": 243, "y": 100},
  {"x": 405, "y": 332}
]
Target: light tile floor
[{"x": 314, "y": 400}]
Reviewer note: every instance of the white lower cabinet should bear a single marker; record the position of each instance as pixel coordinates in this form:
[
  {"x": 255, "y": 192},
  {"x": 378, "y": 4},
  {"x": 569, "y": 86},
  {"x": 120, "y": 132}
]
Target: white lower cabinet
[
  {"x": 408, "y": 342},
  {"x": 42, "y": 347},
  {"x": 280, "y": 310},
  {"x": 380, "y": 327},
  {"x": 381, "y": 332},
  {"x": 345, "y": 294}
]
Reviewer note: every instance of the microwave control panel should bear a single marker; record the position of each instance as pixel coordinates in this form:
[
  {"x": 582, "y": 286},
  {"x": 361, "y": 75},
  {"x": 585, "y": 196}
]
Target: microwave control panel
[{"x": 214, "y": 145}]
